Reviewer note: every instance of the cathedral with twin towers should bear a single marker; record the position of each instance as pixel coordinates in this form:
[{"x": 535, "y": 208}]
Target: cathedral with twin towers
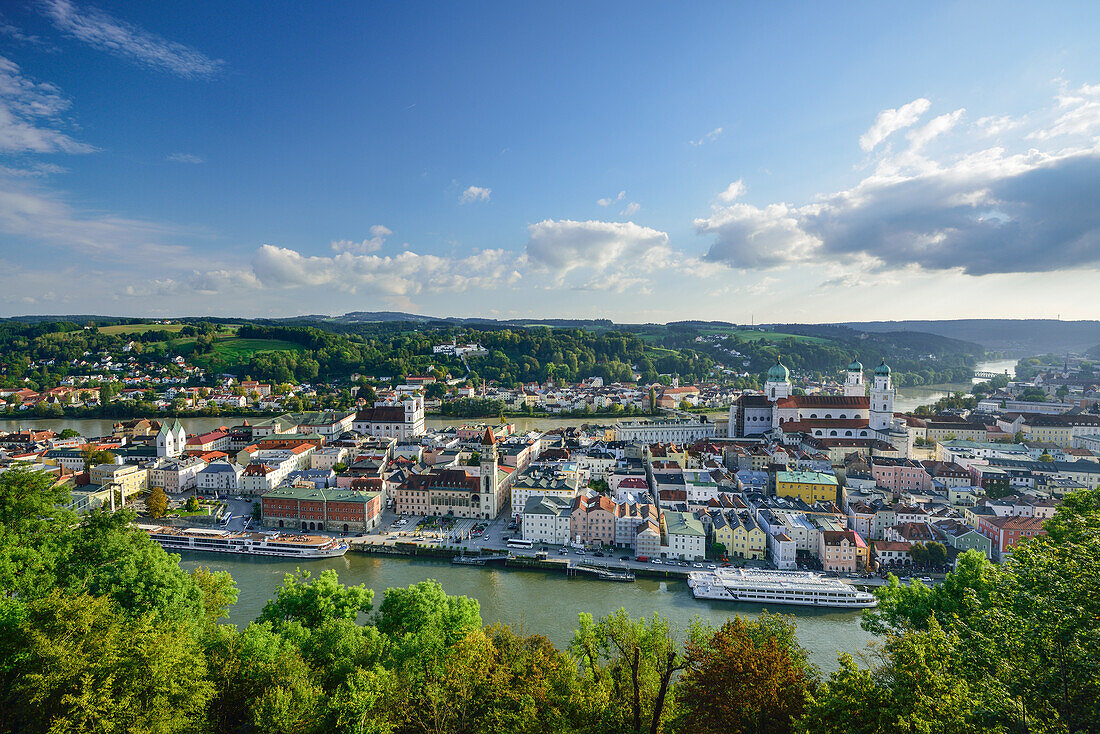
[{"x": 863, "y": 413}]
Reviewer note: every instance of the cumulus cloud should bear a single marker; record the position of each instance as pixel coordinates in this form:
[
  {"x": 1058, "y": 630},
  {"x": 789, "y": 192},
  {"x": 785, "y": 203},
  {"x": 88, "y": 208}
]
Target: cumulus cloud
[
  {"x": 105, "y": 33},
  {"x": 978, "y": 211},
  {"x": 733, "y": 191},
  {"x": 562, "y": 246},
  {"x": 185, "y": 158},
  {"x": 475, "y": 193},
  {"x": 709, "y": 137},
  {"x": 746, "y": 236},
  {"x": 29, "y": 115},
  {"x": 889, "y": 122},
  {"x": 378, "y": 235},
  {"x": 630, "y": 209}
]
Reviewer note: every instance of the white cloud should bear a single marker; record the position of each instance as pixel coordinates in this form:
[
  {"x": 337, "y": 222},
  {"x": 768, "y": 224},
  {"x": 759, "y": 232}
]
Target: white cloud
[
  {"x": 1078, "y": 114},
  {"x": 561, "y": 246},
  {"x": 890, "y": 121},
  {"x": 996, "y": 124},
  {"x": 733, "y": 191},
  {"x": 404, "y": 274},
  {"x": 475, "y": 193},
  {"x": 378, "y": 235},
  {"x": 746, "y": 236},
  {"x": 609, "y": 202},
  {"x": 185, "y": 158},
  {"x": 99, "y": 30},
  {"x": 29, "y": 113},
  {"x": 630, "y": 209},
  {"x": 709, "y": 137},
  {"x": 921, "y": 136},
  {"x": 973, "y": 210}
]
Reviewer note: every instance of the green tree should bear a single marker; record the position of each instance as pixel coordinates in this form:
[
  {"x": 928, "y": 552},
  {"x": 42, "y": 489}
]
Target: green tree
[
  {"x": 314, "y": 601},
  {"x": 81, "y": 664},
  {"x": 30, "y": 501},
  {"x": 915, "y": 689},
  {"x": 936, "y": 553},
  {"x": 219, "y": 592},
  {"x": 95, "y": 457},
  {"x": 633, "y": 662}
]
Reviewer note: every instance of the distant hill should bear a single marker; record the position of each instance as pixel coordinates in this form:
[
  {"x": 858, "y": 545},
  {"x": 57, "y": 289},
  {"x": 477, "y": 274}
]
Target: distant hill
[{"x": 1014, "y": 336}]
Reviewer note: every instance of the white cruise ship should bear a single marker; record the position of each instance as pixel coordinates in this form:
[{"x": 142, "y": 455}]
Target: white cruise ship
[
  {"x": 777, "y": 587},
  {"x": 286, "y": 545}
]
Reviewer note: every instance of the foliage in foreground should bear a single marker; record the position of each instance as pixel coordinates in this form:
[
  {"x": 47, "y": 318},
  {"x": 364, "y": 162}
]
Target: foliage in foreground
[{"x": 100, "y": 630}]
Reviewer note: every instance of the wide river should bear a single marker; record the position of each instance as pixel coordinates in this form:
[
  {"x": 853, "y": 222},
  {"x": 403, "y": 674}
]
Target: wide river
[{"x": 532, "y": 601}]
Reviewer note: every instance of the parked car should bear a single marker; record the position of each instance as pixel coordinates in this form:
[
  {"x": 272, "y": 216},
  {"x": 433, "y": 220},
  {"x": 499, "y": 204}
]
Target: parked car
[
  {"x": 640, "y": 559},
  {"x": 656, "y": 561}
]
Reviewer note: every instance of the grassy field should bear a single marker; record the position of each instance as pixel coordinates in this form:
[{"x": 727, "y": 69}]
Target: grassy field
[
  {"x": 241, "y": 350},
  {"x": 139, "y": 328},
  {"x": 772, "y": 336}
]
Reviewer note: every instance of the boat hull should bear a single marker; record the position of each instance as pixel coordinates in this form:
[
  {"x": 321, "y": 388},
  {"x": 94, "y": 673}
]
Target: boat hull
[{"x": 253, "y": 551}]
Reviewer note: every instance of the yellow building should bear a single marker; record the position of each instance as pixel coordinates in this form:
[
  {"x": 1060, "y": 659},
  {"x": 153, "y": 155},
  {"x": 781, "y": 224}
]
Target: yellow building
[
  {"x": 749, "y": 540},
  {"x": 1061, "y": 436},
  {"x": 723, "y": 532},
  {"x": 127, "y": 478},
  {"x": 808, "y": 486}
]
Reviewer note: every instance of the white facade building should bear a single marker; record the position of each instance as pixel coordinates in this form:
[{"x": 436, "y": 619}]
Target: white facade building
[{"x": 219, "y": 476}]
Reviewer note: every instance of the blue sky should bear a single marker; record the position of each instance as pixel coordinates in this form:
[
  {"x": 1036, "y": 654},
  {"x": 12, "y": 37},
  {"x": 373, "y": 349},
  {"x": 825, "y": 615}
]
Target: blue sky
[{"x": 637, "y": 161}]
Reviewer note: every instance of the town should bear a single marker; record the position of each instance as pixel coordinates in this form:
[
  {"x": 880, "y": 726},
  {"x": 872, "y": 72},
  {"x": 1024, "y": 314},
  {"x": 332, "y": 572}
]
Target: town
[{"x": 825, "y": 477}]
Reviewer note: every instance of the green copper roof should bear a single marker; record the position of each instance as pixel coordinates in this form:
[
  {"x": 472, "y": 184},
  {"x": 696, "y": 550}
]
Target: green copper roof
[
  {"x": 855, "y": 366},
  {"x": 779, "y": 372},
  {"x": 883, "y": 369}
]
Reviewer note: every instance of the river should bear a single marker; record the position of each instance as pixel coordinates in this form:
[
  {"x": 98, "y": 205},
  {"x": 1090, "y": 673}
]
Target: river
[
  {"x": 533, "y": 601},
  {"x": 909, "y": 398}
]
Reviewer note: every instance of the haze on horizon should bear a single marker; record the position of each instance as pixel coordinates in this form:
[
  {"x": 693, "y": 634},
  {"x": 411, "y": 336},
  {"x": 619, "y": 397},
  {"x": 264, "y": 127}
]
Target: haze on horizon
[{"x": 632, "y": 162}]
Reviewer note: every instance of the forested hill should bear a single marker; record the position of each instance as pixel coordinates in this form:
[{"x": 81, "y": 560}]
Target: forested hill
[
  {"x": 306, "y": 349},
  {"x": 1018, "y": 337}
]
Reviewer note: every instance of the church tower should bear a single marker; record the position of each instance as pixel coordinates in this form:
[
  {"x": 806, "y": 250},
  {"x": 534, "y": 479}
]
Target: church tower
[
  {"x": 778, "y": 384},
  {"x": 489, "y": 474},
  {"x": 171, "y": 441},
  {"x": 853, "y": 381},
  {"x": 882, "y": 399}
]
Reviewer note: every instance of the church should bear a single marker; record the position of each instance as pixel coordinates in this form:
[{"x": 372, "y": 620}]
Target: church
[{"x": 860, "y": 413}]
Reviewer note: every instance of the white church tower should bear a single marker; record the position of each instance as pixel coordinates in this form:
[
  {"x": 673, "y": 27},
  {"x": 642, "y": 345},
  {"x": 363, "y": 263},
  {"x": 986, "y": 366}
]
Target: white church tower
[
  {"x": 882, "y": 399},
  {"x": 171, "y": 441},
  {"x": 853, "y": 381},
  {"x": 778, "y": 384}
]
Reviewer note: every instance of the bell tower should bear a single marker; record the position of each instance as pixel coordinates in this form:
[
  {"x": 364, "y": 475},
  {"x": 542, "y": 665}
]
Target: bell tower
[
  {"x": 853, "y": 381},
  {"x": 489, "y": 505},
  {"x": 882, "y": 398}
]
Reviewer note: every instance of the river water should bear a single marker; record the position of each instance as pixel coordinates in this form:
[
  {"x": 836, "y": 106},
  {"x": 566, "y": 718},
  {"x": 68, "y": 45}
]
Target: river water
[{"x": 534, "y": 601}]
